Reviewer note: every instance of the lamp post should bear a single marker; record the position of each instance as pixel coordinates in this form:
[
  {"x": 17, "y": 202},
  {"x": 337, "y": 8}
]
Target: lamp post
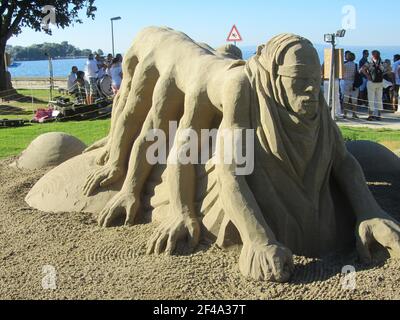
[
  {"x": 112, "y": 33},
  {"x": 331, "y": 38},
  {"x": 51, "y": 72}
]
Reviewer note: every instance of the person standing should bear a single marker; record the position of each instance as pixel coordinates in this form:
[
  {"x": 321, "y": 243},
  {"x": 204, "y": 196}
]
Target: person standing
[
  {"x": 116, "y": 75},
  {"x": 108, "y": 63},
  {"x": 349, "y": 85},
  {"x": 82, "y": 88},
  {"x": 91, "y": 72},
  {"x": 71, "y": 85},
  {"x": 373, "y": 71},
  {"x": 396, "y": 70},
  {"x": 388, "y": 85},
  {"x": 363, "y": 95}
]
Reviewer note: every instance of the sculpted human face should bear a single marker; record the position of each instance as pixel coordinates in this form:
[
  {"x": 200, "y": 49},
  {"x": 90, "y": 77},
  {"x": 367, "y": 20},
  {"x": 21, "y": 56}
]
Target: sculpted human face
[{"x": 302, "y": 89}]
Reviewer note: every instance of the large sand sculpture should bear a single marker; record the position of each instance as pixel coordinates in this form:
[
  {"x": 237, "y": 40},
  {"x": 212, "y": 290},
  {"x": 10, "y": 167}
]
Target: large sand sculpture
[{"x": 306, "y": 195}]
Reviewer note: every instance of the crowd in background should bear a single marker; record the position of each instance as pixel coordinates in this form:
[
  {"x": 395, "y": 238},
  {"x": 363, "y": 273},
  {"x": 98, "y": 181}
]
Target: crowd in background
[
  {"x": 373, "y": 83},
  {"x": 85, "y": 83}
]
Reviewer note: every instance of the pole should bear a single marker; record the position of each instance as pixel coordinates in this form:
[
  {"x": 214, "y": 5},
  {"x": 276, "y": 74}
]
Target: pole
[
  {"x": 112, "y": 37},
  {"x": 332, "y": 85},
  {"x": 51, "y": 77}
]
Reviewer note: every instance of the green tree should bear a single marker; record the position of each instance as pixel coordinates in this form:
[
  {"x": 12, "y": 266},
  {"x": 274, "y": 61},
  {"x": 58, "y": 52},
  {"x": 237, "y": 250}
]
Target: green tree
[{"x": 16, "y": 15}]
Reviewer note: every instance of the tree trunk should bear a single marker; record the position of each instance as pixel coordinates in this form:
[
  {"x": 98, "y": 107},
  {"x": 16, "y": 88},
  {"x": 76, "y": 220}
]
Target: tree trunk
[{"x": 5, "y": 77}]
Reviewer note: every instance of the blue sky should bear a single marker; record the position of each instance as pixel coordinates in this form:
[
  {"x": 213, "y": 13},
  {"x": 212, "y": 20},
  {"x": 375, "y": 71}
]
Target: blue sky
[{"x": 211, "y": 20}]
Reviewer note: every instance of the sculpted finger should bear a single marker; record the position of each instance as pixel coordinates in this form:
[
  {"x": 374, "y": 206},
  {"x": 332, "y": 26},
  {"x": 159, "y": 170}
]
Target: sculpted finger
[
  {"x": 388, "y": 235},
  {"x": 394, "y": 249},
  {"x": 152, "y": 243},
  {"x": 92, "y": 185},
  {"x": 282, "y": 273},
  {"x": 112, "y": 215},
  {"x": 103, "y": 217},
  {"x": 161, "y": 243},
  {"x": 88, "y": 183},
  {"x": 106, "y": 157},
  {"x": 110, "y": 180},
  {"x": 278, "y": 272},
  {"x": 130, "y": 217},
  {"x": 256, "y": 273},
  {"x": 290, "y": 264},
  {"x": 363, "y": 250},
  {"x": 171, "y": 245},
  {"x": 194, "y": 237},
  {"x": 266, "y": 270}
]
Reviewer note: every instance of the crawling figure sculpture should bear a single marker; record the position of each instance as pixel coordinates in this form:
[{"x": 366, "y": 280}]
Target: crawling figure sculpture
[{"x": 307, "y": 195}]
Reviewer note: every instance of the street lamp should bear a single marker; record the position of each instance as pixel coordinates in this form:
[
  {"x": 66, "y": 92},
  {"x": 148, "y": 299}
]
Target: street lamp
[
  {"x": 112, "y": 32},
  {"x": 331, "y": 38}
]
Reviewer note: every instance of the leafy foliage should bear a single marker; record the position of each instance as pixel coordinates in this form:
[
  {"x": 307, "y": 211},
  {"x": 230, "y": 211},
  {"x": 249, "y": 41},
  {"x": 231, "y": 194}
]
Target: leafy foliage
[
  {"x": 38, "y": 51},
  {"x": 16, "y": 15}
]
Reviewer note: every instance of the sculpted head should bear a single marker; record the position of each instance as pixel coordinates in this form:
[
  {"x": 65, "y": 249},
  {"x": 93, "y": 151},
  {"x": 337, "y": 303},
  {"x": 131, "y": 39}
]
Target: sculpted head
[{"x": 296, "y": 71}]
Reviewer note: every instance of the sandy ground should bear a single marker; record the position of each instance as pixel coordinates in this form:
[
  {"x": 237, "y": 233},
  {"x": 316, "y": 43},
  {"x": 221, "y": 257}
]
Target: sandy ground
[{"x": 93, "y": 263}]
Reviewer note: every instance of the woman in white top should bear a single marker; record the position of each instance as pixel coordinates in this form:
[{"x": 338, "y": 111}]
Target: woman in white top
[{"x": 116, "y": 74}]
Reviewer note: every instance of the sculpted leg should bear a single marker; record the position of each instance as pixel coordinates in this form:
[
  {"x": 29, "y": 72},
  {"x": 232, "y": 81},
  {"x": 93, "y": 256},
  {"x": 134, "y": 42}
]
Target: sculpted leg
[
  {"x": 129, "y": 66},
  {"x": 123, "y": 96},
  {"x": 103, "y": 158},
  {"x": 167, "y": 103},
  {"x": 182, "y": 221},
  {"x": 128, "y": 126}
]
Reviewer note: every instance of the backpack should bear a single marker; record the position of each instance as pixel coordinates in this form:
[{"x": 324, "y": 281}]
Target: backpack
[
  {"x": 376, "y": 72},
  {"x": 358, "y": 79}
]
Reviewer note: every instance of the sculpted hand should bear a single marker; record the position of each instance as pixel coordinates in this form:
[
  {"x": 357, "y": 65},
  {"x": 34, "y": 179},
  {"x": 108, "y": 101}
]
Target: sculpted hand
[
  {"x": 385, "y": 232},
  {"x": 266, "y": 262},
  {"x": 103, "y": 177},
  {"x": 124, "y": 204},
  {"x": 171, "y": 231}
]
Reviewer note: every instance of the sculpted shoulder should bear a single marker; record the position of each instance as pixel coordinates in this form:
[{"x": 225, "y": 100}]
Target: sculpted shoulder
[{"x": 237, "y": 82}]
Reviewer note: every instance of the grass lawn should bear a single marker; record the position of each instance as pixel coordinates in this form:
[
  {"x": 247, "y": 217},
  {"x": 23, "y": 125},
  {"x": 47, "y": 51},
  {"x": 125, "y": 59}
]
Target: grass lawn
[
  {"x": 24, "y": 103},
  {"x": 388, "y": 138},
  {"x": 15, "y": 140}
]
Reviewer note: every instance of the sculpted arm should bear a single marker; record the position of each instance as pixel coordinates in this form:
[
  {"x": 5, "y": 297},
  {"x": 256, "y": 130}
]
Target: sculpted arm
[
  {"x": 374, "y": 224},
  {"x": 262, "y": 257}
]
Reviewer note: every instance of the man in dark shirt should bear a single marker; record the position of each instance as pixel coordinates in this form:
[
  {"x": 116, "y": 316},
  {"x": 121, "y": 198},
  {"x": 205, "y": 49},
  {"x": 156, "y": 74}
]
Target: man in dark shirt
[
  {"x": 363, "y": 96},
  {"x": 364, "y": 59}
]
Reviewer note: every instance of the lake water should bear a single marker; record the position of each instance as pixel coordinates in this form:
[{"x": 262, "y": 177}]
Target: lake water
[{"x": 40, "y": 69}]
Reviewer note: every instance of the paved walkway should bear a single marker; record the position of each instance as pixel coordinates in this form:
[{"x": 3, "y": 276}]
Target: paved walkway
[{"x": 389, "y": 121}]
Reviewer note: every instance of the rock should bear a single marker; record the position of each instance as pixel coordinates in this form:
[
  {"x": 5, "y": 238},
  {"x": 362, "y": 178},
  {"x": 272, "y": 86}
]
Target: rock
[
  {"x": 374, "y": 158},
  {"x": 49, "y": 150}
]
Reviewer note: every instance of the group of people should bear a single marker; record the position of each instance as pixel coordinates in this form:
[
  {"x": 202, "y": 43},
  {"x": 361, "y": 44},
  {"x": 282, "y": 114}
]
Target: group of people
[
  {"x": 372, "y": 82},
  {"x": 84, "y": 83}
]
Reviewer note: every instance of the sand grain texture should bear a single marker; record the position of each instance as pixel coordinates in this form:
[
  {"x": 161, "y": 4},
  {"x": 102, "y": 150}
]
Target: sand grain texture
[{"x": 95, "y": 263}]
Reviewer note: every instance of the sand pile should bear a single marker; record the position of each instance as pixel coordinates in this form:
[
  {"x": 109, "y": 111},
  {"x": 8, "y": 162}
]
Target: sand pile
[
  {"x": 94, "y": 263},
  {"x": 48, "y": 150}
]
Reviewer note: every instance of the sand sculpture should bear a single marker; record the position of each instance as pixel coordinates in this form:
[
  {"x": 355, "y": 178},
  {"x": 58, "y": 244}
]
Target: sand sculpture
[
  {"x": 375, "y": 159},
  {"x": 306, "y": 195},
  {"x": 49, "y": 150}
]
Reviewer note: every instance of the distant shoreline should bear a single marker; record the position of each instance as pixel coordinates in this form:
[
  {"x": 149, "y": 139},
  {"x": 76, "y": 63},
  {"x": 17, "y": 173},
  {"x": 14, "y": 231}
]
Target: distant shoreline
[{"x": 54, "y": 58}]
